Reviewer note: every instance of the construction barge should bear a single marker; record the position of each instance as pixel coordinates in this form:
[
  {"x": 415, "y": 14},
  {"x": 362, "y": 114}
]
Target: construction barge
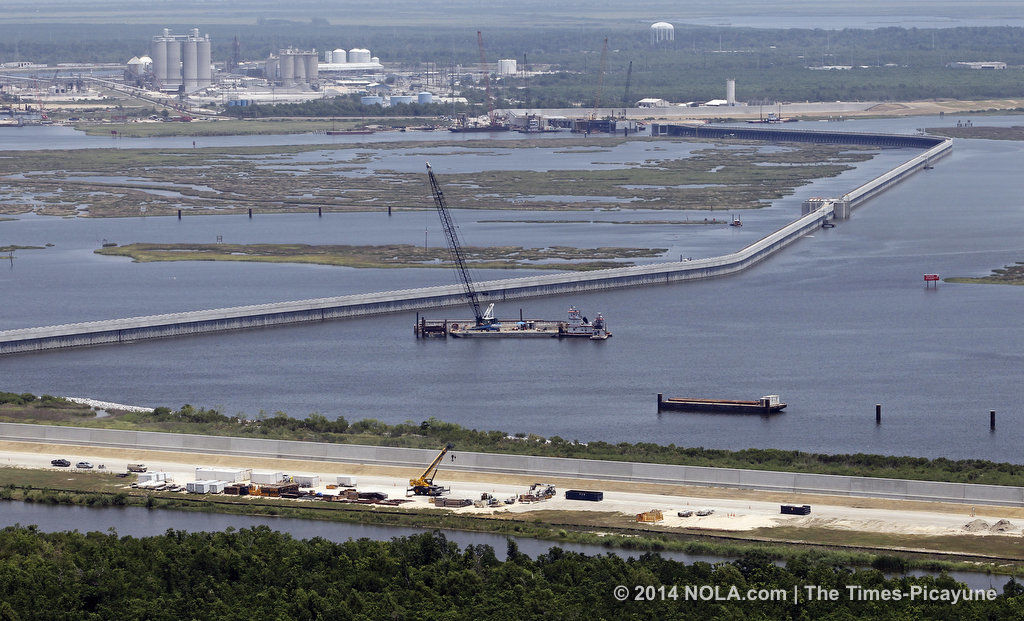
[
  {"x": 768, "y": 404},
  {"x": 577, "y": 326}
]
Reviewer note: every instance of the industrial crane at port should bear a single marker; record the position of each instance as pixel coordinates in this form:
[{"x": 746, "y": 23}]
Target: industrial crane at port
[
  {"x": 483, "y": 322},
  {"x": 423, "y": 485}
]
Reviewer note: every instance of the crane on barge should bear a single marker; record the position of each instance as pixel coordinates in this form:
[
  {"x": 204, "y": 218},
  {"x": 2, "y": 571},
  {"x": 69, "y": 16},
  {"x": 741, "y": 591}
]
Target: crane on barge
[{"x": 484, "y": 321}]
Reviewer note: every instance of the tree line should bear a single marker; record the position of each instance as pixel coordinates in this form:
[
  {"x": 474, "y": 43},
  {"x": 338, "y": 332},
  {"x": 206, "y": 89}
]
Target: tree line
[{"x": 259, "y": 573}]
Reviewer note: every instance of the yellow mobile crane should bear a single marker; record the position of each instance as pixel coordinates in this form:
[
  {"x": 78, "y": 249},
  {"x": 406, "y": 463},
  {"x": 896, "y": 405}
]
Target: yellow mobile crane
[{"x": 424, "y": 484}]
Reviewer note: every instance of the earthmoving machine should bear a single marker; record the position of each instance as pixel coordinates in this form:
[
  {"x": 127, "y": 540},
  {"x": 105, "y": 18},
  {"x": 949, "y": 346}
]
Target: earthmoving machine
[{"x": 423, "y": 485}]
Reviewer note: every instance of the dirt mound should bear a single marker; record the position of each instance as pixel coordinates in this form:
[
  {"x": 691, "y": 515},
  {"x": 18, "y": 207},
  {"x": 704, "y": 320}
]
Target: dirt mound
[
  {"x": 1003, "y": 526},
  {"x": 976, "y": 526}
]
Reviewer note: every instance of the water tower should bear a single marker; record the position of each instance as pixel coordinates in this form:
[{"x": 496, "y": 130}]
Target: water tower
[{"x": 662, "y": 32}]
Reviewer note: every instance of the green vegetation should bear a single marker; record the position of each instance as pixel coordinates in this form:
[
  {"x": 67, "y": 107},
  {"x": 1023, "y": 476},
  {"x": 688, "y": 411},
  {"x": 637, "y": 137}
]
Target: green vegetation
[
  {"x": 392, "y": 255},
  {"x": 1009, "y": 275},
  {"x": 259, "y": 573},
  {"x": 13, "y": 248},
  {"x": 433, "y": 433},
  {"x": 337, "y": 177},
  {"x": 606, "y": 529},
  {"x": 980, "y": 131}
]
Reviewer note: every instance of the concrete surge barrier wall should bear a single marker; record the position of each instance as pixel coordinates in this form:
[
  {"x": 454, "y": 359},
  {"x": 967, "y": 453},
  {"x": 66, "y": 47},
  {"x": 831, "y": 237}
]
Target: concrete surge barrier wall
[
  {"x": 360, "y": 305},
  {"x": 242, "y": 317},
  {"x": 521, "y": 465}
]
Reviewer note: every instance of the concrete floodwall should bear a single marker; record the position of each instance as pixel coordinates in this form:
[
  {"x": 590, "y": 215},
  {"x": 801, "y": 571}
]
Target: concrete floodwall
[
  {"x": 522, "y": 465},
  {"x": 301, "y": 311}
]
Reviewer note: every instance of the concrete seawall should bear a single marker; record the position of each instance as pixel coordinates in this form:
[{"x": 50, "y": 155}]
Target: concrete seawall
[
  {"x": 361, "y": 305},
  {"x": 541, "y": 467}
]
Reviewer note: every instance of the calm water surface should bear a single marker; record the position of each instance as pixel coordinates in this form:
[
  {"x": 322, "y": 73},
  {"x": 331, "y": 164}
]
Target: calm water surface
[{"x": 834, "y": 324}]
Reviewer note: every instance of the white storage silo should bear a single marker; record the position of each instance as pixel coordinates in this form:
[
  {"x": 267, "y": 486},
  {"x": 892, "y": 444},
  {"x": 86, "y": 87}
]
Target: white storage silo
[
  {"x": 730, "y": 92},
  {"x": 507, "y": 66},
  {"x": 312, "y": 62},
  {"x": 299, "y": 61},
  {"x": 374, "y": 60},
  {"x": 339, "y": 56},
  {"x": 402, "y": 99},
  {"x": 173, "y": 64},
  {"x": 287, "y": 64},
  {"x": 190, "y": 64},
  {"x": 205, "y": 69},
  {"x": 158, "y": 51},
  {"x": 425, "y": 98}
]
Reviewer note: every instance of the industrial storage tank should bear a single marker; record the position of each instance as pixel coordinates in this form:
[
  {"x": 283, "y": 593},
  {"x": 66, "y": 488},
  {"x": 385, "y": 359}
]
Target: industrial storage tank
[
  {"x": 372, "y": 100},
  {"x": 375, "y": 60},
  {"x": 190, "y": 64},
  {"x": 507, "y": 66},
  {"x": 173, "y": 63},
  {"x": 159, "y": 53},
  {"x": 662, "y": 31},
  {"x": 287, "y": 64},
  {"x": 312, "y": 62},
  {"x": 402, "y": 99},
  {"x": 339, "y": 56},
  {"x": 299, "y": 61},
  {"x": 328, "y": 57},
  {"x": 730, "y": 91},
  {"x": 425, "y": 98},
  {"x": 205, "y": 63},
  {"x": 358, "y": 55}
]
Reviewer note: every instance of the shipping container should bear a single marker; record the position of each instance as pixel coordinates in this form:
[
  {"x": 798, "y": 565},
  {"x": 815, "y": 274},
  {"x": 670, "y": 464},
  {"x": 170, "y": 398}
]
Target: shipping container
[
  {"x": 232, "y": 475},
  {"x": 146, "y": 477},
  {"x": 346, "y": 480},
  {"x": 796, "y": 509},
  {"x": 582, "y": 494},
  {"x": 266, "y": 477},
  {"x": 306, "y": 480}
]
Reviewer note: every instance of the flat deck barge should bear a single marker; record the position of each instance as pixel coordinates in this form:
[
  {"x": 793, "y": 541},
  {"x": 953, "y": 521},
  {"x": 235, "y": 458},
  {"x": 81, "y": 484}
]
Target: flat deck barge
[{"x": 769, "y": 404}]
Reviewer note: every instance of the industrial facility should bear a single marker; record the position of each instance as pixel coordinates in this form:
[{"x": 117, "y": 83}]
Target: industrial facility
[
  {"x": 180, "y": 62},
  {"x": 291, "y": 67}
]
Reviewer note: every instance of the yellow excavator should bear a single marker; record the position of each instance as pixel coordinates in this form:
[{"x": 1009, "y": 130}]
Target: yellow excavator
[{"x": 423, "y": 485}]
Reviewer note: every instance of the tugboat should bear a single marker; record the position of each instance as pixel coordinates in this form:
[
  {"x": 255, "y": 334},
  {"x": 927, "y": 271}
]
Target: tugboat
[
  {"x": 580, "y": 326},
  {"x": 736, "y": 221}
]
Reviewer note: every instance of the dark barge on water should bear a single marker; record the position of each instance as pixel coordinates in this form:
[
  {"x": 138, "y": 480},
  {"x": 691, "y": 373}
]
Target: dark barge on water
[{"x": 769, "y": 404}]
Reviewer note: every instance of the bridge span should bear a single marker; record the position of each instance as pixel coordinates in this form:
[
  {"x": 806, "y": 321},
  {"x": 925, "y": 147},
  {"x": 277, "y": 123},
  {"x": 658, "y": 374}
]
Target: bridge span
[{"x": 816, "y": 213}]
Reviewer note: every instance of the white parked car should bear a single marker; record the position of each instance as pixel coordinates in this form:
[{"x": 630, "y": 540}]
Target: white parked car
[{"x": 83, "y": 464}]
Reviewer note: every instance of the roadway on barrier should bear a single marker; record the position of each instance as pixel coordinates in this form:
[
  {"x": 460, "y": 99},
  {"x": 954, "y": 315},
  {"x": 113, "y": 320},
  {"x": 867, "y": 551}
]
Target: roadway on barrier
[{"x": 523, "y": 465}]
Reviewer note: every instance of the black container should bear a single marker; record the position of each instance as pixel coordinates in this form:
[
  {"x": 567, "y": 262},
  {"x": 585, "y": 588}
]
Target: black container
[{"x": 582, "y": 494}]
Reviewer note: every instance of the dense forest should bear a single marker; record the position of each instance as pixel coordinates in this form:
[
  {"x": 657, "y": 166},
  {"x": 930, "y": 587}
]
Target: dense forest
[{"x": 262, "y": 574}]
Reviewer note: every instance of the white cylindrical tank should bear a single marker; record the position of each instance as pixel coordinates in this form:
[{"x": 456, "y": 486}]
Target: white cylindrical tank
[
  {"x": 205, "y": 63},
  {"x": 190, "y": 64},
  {"x": 173, "y": 62},
  {"x": 339, "y": 56},
  {"x": 425, "y": 98},
  {"x": 402, "y": 99},
  {"x": 730, "y": 91},
  {"x": 312, "y": 67},
  {"x": 299, "y": 61},
  {"x": 507, "y": 66},
  {"x": 159, "y": 54},
  {"x": 372, "y": 100},
  {"x": 328, "y": 57},
  {"x": 374, "y": 60},
  {"x": 358, "y": 55},
  {"x": 662, "y": 31},
  {"x": 287, "y": 64}
]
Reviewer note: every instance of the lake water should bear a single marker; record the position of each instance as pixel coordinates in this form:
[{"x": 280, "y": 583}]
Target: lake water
[
  {"x": 140, "y": 522},
  {"x": 834, "y": 324}
]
